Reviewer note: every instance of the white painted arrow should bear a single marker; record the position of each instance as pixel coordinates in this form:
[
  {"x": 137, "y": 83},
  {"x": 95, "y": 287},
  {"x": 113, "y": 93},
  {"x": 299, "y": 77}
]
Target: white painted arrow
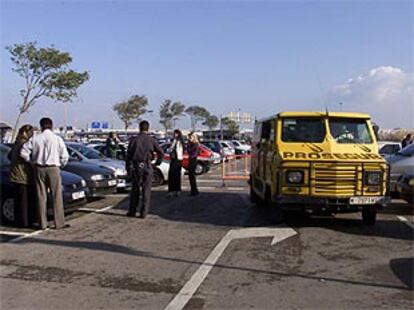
[{"x": 188, "y": 290}]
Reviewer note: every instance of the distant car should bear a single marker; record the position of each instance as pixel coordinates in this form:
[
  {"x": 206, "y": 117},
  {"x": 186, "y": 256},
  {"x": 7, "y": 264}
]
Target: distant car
[
  {"x": 228, "y": 149},
  {"x": 388, "y": 148},
  {"x": 100, "y": 180},
  {"x": 401, "y": 163},
  {"x": 204, "y": 160},
  {"x": 405, "y": 187},
  {"x": 120, "y": 152},
  {"x": 74, "y": 190},
  {"x": 87, "y": 154},
  {"x": 216, "y": 148},
  {"x": 240, "y": 147}
]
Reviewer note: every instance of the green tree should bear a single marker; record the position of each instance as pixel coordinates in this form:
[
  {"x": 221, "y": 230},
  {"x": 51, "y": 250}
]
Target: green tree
[
  {"x": 211, "y": 122},
  {"x": 131, "y": 109},
  {"x": 197, "y": 114},
  {"x": 169, "y": 113},
  {"x": 230, "y": 125},
  {"x": 46, "y": 73}
]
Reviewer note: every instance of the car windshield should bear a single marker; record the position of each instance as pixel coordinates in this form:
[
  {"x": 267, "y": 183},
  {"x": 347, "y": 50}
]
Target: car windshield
[
  {"x": 407, "y": 151},
  {"x": 236, "y": 143},
  {"x": 4, "y": 152},
  {"x": 89, "y": 153},
  {"x": 345, "y": 130},
  {"x": 303, "y": 130}
]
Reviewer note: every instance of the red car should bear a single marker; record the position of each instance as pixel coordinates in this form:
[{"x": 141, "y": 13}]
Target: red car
[{"x": 204, "y": 160}]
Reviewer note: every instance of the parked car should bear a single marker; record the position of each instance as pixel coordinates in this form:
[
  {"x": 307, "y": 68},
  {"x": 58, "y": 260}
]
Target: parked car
[
  {"x": 216, "y": 148},
  {"x": 401, "y": 163},
  {"x": 228, "y": 149},
  {"x": 388, "y": 148},
  {"x": 120, "y": 152},
  {"x": 87, "y": 154},
  {"x": 100, "y": 180},
  {"x": 240, "y": 147},
  {"x": 204, "y": 160},
  {"x": 405, "y": 187},
  {"x": 74, "y": 190}
]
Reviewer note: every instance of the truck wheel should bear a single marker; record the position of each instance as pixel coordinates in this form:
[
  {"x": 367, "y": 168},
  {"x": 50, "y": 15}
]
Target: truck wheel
[{"x": 369, "y": 216}]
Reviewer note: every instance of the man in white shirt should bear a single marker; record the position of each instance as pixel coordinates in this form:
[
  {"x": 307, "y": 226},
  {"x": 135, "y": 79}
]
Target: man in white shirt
[{"x": 47, "y": 152}]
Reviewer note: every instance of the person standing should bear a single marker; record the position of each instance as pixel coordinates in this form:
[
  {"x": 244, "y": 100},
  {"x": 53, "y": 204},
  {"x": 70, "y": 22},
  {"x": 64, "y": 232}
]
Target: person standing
[
  {"x": 406, "y": 141},
  {"x": 176, "y": 164},
  {"x": 47, "y": 152},
  {"x": 21, "y": 174},
  {"x": 112, "y": 144},
  {"x": 193, "y": 150},
  {"x": 140, "y": 153}
]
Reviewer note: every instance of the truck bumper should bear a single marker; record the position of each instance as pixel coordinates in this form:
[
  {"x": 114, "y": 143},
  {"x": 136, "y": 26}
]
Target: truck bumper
[{"x": 326, "y": 204}]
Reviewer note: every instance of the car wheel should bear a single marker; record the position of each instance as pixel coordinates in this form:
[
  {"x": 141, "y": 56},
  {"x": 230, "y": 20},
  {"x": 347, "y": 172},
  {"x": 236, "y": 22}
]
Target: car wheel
[
  {"x": 157, "y": 178},
  {"x": 369, "y": 216},
  {"x": 8, "y": 210},
  {"x": 199, "y": 168}
]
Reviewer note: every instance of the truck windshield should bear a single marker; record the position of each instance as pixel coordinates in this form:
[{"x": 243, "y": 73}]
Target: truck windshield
[
  {"x": 350, "y": 130},
  {"x": 303, "y": 130}
]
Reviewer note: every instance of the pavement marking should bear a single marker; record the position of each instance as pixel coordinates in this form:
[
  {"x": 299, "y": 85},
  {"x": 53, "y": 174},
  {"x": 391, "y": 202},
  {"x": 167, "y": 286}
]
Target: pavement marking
[
  {"x": 93, "y": 210},
  {"x": 27, "y": 235},
  {"x": 11, "y": 233},
  {"x": 406, "y": 221},
  {"x": 188, "y": 290}
]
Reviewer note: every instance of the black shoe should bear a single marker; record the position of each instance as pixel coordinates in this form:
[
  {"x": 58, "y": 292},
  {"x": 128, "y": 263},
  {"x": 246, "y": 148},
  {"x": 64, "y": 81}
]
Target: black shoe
[
  {"x": 130, "y": 214},
  {"x": 142, "y": 216},
  {"x": 63, "y": 227}
]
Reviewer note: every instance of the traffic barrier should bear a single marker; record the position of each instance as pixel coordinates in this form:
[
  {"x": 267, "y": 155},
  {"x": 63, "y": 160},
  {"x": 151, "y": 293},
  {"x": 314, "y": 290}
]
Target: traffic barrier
[{"x": 236, "y": 167}]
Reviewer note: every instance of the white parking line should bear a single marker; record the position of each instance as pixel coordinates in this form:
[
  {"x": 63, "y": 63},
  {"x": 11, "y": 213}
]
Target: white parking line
[
  {"x": 11, "y": 233},
  {"x": 27, "y": 235},
  {"x": 406, "y": 221}
]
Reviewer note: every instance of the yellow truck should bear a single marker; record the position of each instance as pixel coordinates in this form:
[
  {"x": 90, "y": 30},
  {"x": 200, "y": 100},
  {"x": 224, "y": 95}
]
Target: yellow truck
[{"x": 318, "y": 162}]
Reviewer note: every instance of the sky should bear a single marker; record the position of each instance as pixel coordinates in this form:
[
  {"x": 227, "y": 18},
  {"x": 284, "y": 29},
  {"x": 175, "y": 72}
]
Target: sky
[{"x": 252, "y": 56}]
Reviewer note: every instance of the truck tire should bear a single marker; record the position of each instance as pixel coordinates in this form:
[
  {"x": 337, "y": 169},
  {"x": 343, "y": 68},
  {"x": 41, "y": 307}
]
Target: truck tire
[{"x": 369, "y": 216}]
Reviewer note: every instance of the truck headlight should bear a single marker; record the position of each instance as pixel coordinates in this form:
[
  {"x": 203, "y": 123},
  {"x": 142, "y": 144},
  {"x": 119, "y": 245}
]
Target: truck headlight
[
  {"x": 294, "y": 177},
  {"x": 373, "y": 177},
  {"x": 97, "y": 177}
]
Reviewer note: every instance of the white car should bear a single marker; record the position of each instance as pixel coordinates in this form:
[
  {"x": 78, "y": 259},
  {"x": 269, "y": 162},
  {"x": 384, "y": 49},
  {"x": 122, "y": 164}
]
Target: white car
[
  {"x": 227, "y": 149},
  {"x": 388, "y": 148},
  {"x": 401, "y": 163},
  {"x": 241, "y": 147}
]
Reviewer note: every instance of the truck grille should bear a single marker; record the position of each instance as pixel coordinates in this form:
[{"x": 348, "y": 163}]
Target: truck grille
[{"x": 333, "y": 179}]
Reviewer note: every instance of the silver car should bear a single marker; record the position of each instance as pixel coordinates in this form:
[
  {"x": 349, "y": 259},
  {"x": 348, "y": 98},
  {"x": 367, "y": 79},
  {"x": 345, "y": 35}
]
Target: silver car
[
  {"x": 401, "y": 163},
  {"x": 87, "y": 154}
]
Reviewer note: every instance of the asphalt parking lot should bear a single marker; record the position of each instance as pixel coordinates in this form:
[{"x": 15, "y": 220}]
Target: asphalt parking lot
[{"x": 215, "y": 251}]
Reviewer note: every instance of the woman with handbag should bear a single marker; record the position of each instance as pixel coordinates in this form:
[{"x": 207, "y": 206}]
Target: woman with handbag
[
  {"x": 21, "y": 174},
  {"x": 176, "y": 164}
]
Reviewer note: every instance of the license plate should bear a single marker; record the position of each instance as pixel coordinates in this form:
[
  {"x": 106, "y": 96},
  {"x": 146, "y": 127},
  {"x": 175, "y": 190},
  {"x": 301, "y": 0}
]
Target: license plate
[
  {"x": 364, "y": 200},
  {"x": 78, "y": 195},
  {"x": 112, "y": 182}
]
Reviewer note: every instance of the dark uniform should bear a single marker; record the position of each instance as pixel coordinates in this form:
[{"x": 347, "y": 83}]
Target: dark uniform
[{"x": 140, "y": 153}]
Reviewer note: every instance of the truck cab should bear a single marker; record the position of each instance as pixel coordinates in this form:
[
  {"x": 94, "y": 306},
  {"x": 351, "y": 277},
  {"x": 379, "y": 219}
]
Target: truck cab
[{"x": 318, "y": 162}]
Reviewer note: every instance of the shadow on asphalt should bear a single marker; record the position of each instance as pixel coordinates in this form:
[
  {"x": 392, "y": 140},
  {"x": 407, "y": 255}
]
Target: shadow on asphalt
[
  {"x": 114, "y": 248},
  {"x": 403, "y": 268}
]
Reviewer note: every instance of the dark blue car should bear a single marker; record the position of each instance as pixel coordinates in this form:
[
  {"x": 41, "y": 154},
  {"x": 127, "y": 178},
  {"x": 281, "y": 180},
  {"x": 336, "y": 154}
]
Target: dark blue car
[{"x": 74, "y": 190}]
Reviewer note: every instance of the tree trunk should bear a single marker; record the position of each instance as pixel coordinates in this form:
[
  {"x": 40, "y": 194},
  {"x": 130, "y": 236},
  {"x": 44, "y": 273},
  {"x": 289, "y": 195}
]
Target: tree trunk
[
  {"x": 16, "y": 126},
  {"x": 126, "y": 126}
]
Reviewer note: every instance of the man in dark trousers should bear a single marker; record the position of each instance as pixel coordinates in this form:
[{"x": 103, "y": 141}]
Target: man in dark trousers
[{"x": 140, "y": 154}]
